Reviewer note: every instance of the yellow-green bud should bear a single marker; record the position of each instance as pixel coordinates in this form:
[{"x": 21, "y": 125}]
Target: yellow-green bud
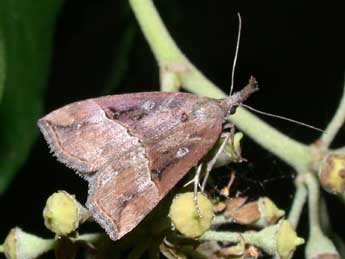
[
  {"x": 260, "y": 213},
  {"x": 287, "y": 240},
  {"x": 332, "y": 173},
  {"x": 234, "y": 151},
  {"x": 231, "y": 152},
  {"x": 21, "y": 245},
  {"x": 184, "y": 214},
  {"x": 269, "y": 212},
  {"x": 278, "y": 240},
  {"x": 63, "y": 213}
]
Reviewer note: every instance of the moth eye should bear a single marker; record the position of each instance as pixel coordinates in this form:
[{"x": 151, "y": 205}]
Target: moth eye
[
  {"x": 232, "y": 109},
  {"x": 184, "y": 117}
]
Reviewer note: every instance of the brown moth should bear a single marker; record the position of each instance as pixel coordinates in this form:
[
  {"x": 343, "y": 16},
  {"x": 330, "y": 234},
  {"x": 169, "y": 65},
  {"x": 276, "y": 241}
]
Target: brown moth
[{"x": 133, "y": 148}]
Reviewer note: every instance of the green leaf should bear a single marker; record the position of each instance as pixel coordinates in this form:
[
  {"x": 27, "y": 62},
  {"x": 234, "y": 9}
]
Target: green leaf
[
  {"x": 26, "y": 30},
  {"x": 2, "y": 64}
]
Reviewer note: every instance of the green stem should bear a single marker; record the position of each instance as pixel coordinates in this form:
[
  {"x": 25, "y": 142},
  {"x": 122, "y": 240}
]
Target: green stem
[
  {"x": 220, "y": 219},
  {"x": 168, "y": 55},
  {"x": 297, "y": 204},
  {"x": 1, "y": 248},
  {"x": 318, "y": 244},
  {"x": 221, "y": 236},
  {"x": 162, "y": 44},
  {"x": 335, "y": 124},
  {"x": 313, "y": 204},
  {"x": 165, "y": 50},
  {"x": 264, "y": 239},
  {"x": 340, "y": 150},
  {"x": 286, "y": 148}
]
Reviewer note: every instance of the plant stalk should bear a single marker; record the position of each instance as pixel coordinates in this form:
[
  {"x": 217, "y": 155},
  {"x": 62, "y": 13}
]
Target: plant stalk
[{"x": 168, "y": 55}]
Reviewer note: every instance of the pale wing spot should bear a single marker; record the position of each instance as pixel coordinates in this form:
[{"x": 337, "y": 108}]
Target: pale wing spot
[
  {"x": 181, "y": 152},
  {"x": 148, "y": 105}
]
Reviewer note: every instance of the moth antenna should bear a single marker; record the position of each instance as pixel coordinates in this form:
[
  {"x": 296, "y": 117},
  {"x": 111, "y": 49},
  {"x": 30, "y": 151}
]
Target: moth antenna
[
  {"x": 236, "y": 52},
  {"x": 282, "y": 118}
]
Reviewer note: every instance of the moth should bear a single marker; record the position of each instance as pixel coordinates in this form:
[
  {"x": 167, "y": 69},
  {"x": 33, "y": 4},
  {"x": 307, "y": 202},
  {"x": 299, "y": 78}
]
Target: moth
[{"x": 133, "y": 148}]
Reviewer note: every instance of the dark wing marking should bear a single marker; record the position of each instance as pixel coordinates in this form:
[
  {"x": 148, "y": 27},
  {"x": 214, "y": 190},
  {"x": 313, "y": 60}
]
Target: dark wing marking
[{"x": 176, "y": 129}]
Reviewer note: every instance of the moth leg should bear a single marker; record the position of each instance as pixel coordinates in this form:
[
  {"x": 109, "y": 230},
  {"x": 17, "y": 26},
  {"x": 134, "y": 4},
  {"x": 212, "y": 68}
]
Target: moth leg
[
  {"x": 196, "y": 185},
  {"x": 229, "y": 125},
  {"x": 210, "y": 164},
  {"x": 193, "y": 181}
]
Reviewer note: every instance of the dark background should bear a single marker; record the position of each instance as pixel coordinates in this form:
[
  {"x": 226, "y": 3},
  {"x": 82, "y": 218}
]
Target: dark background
[{"x": 293, "y": 48}]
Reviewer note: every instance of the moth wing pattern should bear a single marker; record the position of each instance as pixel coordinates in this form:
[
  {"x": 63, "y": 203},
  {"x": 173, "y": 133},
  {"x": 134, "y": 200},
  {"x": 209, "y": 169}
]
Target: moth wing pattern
[
  {"x": 80, "y": 136},
  {"x": 176, "y": 129},
  {"x": 132, "y": 149},
  {"x": 122, "y": 194}
]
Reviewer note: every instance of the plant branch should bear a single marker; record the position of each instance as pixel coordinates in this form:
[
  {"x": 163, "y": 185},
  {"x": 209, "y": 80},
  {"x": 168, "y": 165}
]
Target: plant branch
[
  {"x": 318, "y": 244},
  {"x": 168, "y": 55},
  {"x": 220, "y": 219},
  {"x": 340, "y": 150},
  {"x": 313, "y": 203},
  {"x": 297, "y": 204},
  {"x": 335, "y": 124},
  {"x": 172, "y": 60},
  {"x": 289, "y": 150}
]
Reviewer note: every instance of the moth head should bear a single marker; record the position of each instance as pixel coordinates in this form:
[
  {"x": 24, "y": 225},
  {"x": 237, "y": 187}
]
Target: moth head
[{"x": 230, "y": 103}]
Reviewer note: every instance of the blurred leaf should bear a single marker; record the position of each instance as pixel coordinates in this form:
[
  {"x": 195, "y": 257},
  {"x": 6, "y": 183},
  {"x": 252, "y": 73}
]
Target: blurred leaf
[
  {"x": 26, "y": 30},
  {"x": 2, "y": 64}
]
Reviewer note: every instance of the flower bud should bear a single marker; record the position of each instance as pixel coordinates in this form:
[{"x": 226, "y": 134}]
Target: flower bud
[
  {"x": 332, "y": 173},
  {"x": 260, "y": 213},
  {"x": 63, "y": 213},
  {"x": 240, "y": 212},
  {"x": 21, "y": 245},
  {"x": 185, "y": 217},
  {"x": 231, "y": 152},
  {"x": 279, "y": 240},
  {"x": 287, "y": 240},
  {"x": 269, "y": 212}
]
